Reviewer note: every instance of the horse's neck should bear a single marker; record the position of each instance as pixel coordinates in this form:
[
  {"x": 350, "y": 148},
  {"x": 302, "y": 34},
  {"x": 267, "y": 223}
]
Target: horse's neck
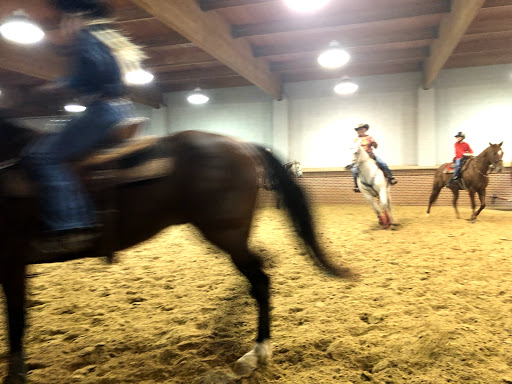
[
  {"x": 481, "y": 162},
  {"x": 367, "y": 167}
]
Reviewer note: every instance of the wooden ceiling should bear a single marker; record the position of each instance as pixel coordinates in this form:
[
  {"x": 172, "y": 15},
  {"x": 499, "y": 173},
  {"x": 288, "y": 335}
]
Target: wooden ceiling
[{"x": 230, "y": 43}]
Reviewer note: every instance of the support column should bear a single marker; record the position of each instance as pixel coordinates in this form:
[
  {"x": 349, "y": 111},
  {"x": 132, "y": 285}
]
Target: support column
[
  {"x": 427, "y": 130},
  {"x": 280, "y": 125},
  {"x": 159, "y": 125}
]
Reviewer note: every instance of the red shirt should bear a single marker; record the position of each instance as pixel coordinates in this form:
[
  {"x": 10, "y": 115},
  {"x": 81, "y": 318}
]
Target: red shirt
[
  {"x": 366, "y": 142},
  {"x": 461, "y": 147}
]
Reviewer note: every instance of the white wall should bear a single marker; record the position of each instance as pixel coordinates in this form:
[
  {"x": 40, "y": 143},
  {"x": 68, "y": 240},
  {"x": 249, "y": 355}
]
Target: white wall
[
  {"x": 315, "y": 126},
  {"x": 322, "y": 123},
  {"x": 477, "y": 101},
  {"x": 243, "y": 112}
]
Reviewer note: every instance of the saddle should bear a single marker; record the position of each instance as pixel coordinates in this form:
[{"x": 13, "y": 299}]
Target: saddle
[
  {"x": 122, "y": 159},
  {"x": 450, "y": 167}
]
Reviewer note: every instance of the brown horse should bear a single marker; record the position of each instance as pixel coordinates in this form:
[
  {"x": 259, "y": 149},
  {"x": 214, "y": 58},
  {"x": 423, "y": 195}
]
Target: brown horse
[
  {"x": 210, "y": 181},
  {"x": 475, "y": 178}
]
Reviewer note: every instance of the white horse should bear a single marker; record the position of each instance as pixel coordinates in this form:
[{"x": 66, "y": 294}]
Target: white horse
[{"x": 374, "y": 186}]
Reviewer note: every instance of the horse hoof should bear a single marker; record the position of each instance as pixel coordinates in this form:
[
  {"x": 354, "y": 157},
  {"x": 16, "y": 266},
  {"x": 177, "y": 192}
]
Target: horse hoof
[{"x": 248, "y": 363}]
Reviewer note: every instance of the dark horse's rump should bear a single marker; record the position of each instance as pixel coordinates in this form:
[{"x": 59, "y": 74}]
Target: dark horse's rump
[{"x": 212, "y": 184}]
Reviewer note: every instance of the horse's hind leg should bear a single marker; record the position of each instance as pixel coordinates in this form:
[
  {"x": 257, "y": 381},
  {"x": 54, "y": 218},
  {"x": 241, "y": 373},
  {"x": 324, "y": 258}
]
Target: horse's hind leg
[
  {"x": 13, "y": 282},
  {"x": 234, "y": 242},
  {"x": 436, "y": 189},
  {"x": 481, "y": 196}
]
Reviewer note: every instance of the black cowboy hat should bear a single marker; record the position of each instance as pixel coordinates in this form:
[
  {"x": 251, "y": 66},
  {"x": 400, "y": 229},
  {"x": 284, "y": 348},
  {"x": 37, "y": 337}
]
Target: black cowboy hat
[
  {"x": 366, "y": 126},
  {"x": 95, "y": 8},
  {"x": 460, "y": 134}
]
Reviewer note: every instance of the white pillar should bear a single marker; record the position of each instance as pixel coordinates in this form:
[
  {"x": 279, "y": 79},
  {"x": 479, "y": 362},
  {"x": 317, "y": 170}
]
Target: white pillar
[
  {"x": 280, "y": 125},
  {"x": 159, "y": 121},
  {"x": 427, "y": 151}
]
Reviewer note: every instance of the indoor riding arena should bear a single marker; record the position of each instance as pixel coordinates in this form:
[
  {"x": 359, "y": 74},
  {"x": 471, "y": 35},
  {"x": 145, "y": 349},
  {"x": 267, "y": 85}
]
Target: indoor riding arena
[{"x": 429, "y": 296}]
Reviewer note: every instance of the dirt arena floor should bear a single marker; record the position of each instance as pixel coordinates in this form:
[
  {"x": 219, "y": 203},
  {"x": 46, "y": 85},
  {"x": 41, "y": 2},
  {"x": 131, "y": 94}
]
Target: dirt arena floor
[{"x": 433, "y": 305}]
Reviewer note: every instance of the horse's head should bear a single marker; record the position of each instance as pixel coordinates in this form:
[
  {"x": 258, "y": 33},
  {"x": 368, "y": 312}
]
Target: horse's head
[
  {"x": 359, "y": 155},
  {"x": 494, "y": 157},
  {"x": 296, "y": 169}
]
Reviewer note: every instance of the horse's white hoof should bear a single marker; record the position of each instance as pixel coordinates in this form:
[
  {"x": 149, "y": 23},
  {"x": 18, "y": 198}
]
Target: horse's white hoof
[{"x": 248, "y": 363}]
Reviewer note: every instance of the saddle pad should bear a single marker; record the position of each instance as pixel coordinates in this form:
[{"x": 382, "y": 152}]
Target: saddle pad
[
  {"x": 126, "y": 148},
  {"x": 15, "y": 182}
]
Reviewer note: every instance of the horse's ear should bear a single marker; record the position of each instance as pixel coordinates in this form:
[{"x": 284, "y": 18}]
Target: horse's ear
[
  {"x": 490, "y": 143},
  {"x": 500, "y": 144}
]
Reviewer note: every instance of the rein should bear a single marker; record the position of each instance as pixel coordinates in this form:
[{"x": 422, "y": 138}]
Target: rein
[{"x": 9, "y": 163}]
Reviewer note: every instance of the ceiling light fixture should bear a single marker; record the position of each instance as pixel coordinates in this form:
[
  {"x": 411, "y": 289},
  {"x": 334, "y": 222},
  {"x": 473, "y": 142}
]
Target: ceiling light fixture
[
  {"x": 306, "y": 5},
  {"x": 197, "y": 97},
  {"x": 139, "y": 76},
  {"x": 20, "y": 29},
  {"x": 346, "y": 86},
  {"x": 334, "y": 56},
  {"x": 74, "y": 108}
]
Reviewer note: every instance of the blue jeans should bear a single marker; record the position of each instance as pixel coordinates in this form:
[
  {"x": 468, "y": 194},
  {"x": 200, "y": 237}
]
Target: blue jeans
[
  {"x": 381, "y": 164},
  {"x": 64, "y": 203},
  {"x": 457, "y": 167}
]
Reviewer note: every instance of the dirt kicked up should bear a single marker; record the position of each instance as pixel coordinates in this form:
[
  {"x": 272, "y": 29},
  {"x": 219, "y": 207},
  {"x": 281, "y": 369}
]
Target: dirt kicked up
[{"x": 433, "y": 305}]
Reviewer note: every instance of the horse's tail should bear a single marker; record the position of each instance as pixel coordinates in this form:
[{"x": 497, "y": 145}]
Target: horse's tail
[{"x": 300, "y": 212}]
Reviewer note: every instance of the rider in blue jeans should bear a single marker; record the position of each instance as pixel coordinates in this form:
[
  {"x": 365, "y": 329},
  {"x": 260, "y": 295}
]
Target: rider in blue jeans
[{"x": 96, "y": 77}]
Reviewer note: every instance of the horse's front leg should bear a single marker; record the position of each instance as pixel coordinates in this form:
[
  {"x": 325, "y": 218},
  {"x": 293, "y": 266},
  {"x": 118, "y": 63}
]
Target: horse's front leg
[
  {"x": 13, "y": 282},
  {"x": 481, "y": 197},
  {"x": 473, "y": 204},
  {"x": 455, "y": 192}
]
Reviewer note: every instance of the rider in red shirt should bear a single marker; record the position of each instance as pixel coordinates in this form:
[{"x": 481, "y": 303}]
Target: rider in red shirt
[{"x": 461, "y": 149}]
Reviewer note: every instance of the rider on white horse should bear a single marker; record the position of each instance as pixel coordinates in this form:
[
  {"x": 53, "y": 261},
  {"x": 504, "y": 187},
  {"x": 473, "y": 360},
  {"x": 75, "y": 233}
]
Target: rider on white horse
[{"x": 368, "y": 143}]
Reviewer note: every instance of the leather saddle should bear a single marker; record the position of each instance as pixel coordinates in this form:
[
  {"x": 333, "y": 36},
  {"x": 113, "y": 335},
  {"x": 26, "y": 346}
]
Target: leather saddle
[
  {"x": 450, "y": 167},
  {"x": 106, "y": 167}
]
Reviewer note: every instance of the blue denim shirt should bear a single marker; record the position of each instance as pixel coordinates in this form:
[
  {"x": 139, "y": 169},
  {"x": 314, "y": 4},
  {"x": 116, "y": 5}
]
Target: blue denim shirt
[{"x": 94, "y": 69}]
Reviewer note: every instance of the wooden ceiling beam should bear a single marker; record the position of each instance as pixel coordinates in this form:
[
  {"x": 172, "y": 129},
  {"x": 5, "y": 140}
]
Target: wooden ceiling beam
[
  {"x": 211, "y": 32},
  {"x": 330, "y": 22},
  {"x": 498, "y": 41},
  {"x": 197, "y": 74},
  {"x": 236, "y": 81},
  {"x": 356, "y": 71},
  {"x": 452, "y": 29},
  {"x": 375, "y": 40},
  {"x": 476, "y": 59},
  {"x": 208, "y": 5},
  {"x": 40, "y": 63},
  {"x": 416, "y": 54}
]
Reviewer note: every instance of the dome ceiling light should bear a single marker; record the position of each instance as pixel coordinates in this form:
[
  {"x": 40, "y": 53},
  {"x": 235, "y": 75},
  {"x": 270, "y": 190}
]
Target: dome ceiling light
[
  {"x": 20, "y": 29},
  {"x": 334, "y": 56}
]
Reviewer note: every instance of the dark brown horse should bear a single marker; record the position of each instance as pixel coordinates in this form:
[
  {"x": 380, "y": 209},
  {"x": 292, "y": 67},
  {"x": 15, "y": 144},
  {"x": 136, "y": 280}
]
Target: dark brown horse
[
  {"x": 209, "y": 181},
  {"x": 475, "y": 178}
]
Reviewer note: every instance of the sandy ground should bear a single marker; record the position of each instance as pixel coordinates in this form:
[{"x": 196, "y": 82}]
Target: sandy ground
[{"x": 433, "y": 305}]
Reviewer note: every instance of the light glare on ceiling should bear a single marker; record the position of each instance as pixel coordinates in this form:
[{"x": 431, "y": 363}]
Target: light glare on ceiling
[
  {"x": 306, "y": 5},
  {"x": 20, "y": 29},
  {"x": 139, "y": 76},
  {"x": 197, "y": 97},
  {"x": 346, "y": 87},
  {"x": 74, "y": 108},
  {"x": 334, "y": 56}
]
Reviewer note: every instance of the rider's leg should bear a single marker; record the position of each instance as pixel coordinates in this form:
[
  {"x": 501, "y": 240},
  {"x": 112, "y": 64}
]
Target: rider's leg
[
  {"x": 355, "y": 173},
  {"x": 65, "y": 206},
  {"x": 384, "y": 167},
  {"x": 455, "y": 172}
]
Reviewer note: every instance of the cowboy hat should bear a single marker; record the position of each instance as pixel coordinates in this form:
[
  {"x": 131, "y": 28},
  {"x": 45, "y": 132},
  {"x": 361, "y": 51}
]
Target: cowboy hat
[
  {"x": 359, "y": 126},
  {"x": 460, "y": 134},
  {"x": 96, "y": 8}
]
